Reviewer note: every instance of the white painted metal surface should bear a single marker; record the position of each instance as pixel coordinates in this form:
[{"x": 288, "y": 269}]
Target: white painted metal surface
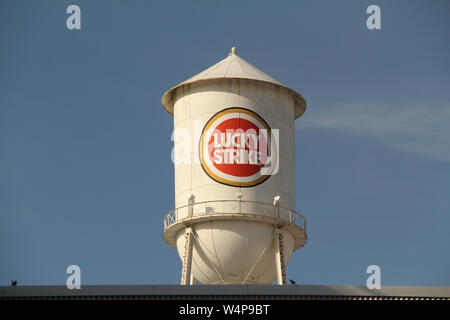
[
  {"x": 232, "y": 67},
  {"x": 242, "y": 249}
]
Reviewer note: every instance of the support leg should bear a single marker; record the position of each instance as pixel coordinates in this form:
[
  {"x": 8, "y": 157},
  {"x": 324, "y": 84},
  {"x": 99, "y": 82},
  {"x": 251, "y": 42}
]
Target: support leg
[
  {"x": 187, "y": 258},
  {"x": 193, "y": 280},
  {"x": 279, "y": 257}
]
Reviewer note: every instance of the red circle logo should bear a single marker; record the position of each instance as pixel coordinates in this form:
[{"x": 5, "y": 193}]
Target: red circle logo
[{"x": 236, "y": 148}]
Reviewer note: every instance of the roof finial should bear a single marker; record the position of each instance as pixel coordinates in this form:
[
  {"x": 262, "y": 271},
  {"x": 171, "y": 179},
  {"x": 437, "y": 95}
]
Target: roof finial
[{"x": 233, "y": 50}]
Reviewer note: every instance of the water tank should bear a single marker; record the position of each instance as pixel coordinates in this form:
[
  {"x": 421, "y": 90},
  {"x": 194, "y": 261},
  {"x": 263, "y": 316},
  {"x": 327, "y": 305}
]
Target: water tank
[{"x": 234, "y": 220}]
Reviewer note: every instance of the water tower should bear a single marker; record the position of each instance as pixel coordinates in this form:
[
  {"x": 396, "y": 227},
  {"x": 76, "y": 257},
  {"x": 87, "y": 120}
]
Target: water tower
[{"x": 234, "y": 220}]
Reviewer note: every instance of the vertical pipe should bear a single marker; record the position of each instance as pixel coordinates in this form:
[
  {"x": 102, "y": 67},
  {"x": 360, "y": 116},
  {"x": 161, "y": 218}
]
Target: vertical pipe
[
  {"x": 279, "y": 257},
  {"x": 193, "y": 280},
  {"x": 191, "y": 202}
]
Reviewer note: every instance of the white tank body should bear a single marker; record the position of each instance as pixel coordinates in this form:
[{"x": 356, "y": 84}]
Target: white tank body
[{"x": 232, "y": 213}]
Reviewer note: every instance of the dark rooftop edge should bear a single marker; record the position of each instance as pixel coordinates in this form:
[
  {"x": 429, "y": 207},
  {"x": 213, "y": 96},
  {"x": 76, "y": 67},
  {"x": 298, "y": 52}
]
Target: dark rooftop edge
[{"x": 224, "y": 290}]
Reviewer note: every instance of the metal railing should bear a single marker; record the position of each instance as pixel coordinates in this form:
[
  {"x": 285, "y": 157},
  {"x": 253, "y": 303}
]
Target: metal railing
[{"x": 234, "y": 207}]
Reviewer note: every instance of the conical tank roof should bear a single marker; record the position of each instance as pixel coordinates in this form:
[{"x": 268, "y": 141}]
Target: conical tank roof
[{"x": 233, "y": 67}]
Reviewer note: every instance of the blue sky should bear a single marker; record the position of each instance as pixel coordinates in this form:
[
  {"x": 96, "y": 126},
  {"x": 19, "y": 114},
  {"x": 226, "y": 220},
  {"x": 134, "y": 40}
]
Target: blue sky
[{"x": 85, "y": 170}]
